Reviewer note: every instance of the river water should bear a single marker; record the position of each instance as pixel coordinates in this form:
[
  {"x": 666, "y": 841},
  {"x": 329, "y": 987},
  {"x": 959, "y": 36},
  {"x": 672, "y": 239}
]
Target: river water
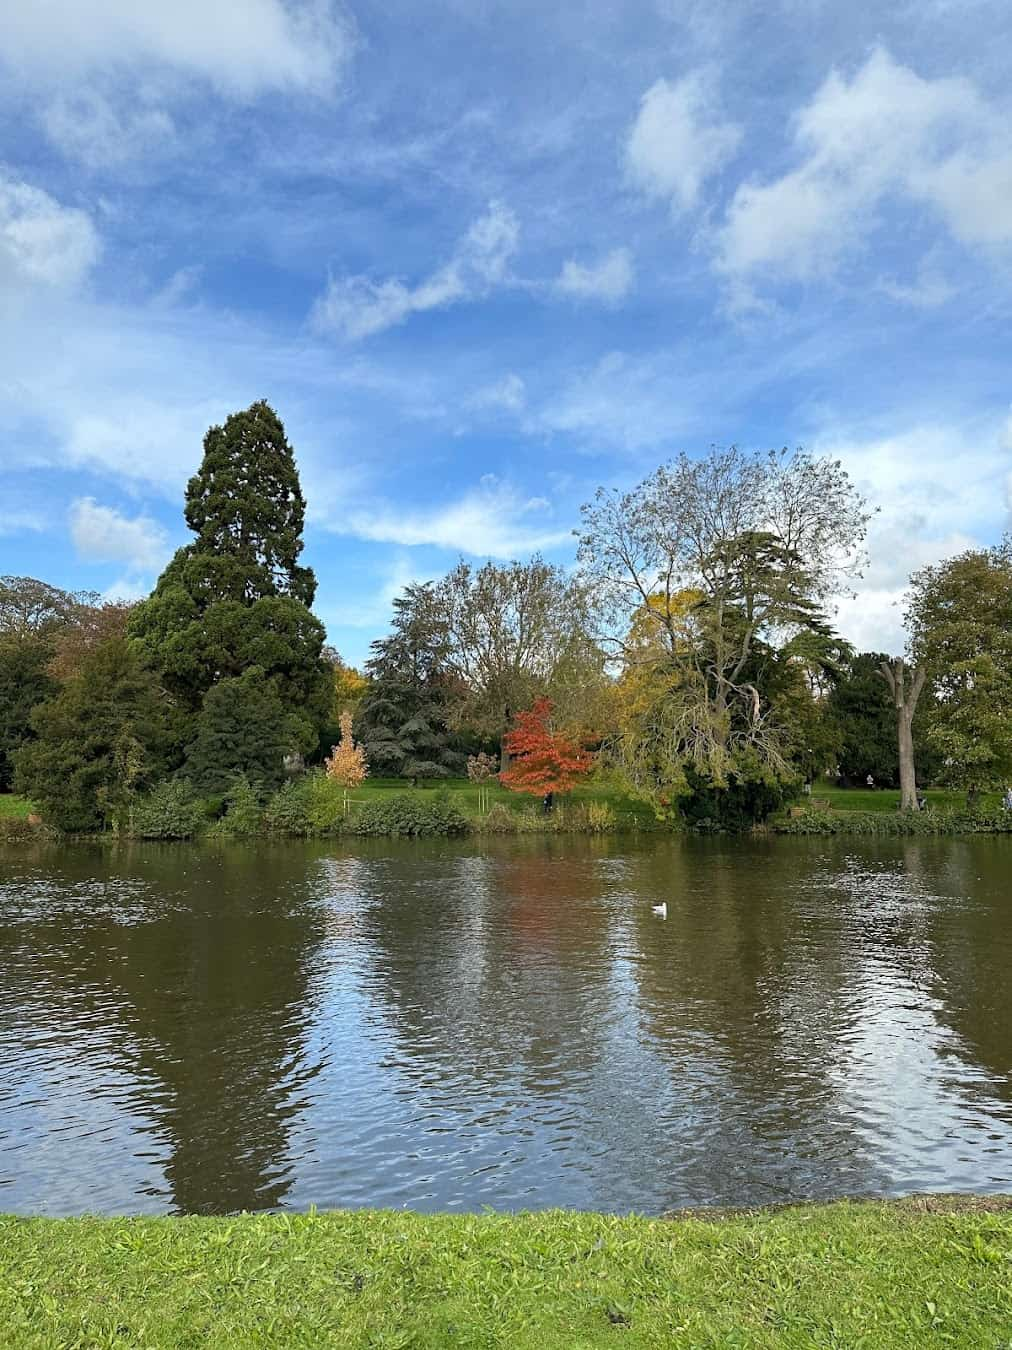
[{"x": 449, "y": 1025}]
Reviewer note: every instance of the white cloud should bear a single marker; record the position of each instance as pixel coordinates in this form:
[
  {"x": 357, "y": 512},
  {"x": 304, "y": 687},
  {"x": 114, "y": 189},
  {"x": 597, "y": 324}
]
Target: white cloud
[
  {"x": 509, "y": 393},
  {"x": 241, "y": 47},
  {"x": 88, "y": 126},
  {"x": 885, "y": 134},
  {"x": 489, "y": 521},
  {"x": 679, "y": 140},
  {"x": 42, "y": 240},
  {"x": 357, "y": 307},
  {"x": 103, "y": 534},
  {"x": 940, "y": 491},
  {"x": 608, "y": 280}
]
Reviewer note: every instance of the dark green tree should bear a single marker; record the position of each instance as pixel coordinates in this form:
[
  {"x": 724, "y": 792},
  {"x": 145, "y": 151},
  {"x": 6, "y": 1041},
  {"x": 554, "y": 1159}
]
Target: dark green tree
[
  {"x": 105, "y": 735},
  {"x": 862, "y": 708},
  {"x": 241, "y": 729},
  {"x": 237, "y": 596},
  {"x": 25, "y": 682},
  {"x": 404, "y": 720}
]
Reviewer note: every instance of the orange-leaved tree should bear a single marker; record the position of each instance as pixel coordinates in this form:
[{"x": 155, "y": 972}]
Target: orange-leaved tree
[
  {"x": 347, "y": 764},
  {"x": 543, "y": 761}
]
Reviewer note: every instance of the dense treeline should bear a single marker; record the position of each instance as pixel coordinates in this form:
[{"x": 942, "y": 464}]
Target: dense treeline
[{"x": 689, "y": 658}]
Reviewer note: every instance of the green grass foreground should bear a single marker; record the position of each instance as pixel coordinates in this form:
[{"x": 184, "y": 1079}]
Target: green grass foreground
[{"x": 912, "y": 1273}]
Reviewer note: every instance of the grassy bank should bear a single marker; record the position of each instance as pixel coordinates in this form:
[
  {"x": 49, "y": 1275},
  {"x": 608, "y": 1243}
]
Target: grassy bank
[{"x": 875, "y": 1274}]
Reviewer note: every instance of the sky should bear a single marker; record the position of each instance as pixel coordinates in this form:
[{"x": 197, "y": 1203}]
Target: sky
[{"x": 484, "y": 257}]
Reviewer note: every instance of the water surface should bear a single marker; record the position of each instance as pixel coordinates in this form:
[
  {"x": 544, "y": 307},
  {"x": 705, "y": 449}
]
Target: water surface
[{"x": 454, "y": 1025}]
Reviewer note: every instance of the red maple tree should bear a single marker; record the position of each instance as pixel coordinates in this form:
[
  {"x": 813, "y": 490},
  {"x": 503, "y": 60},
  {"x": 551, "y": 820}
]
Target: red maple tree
[{"x": 544, "y": 761}]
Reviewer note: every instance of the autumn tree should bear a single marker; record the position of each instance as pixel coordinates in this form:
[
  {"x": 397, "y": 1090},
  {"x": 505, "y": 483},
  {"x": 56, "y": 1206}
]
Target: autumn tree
[
  {"x": 481, "y": 769},
  {"x": 761, "y": 542},
  {"x": 516, "y": 631},
  {"x": 35, "y": 618},
  {"x": 543, "y": 761},
  {"x": 346, "y": 764},
  {"x": 237, "y": 595},
  {"x": 959, "y": 619}
]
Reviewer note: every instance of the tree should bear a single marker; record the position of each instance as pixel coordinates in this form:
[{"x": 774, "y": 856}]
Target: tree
[
  {"x": 25, "y": 682},
  {"x": 404, "y": 719},
  {"x": 237, "y": 595},
  {"x": 346, "y": 765},
  {"x": 481, "y": 769},
  {"x": 92, "y": 622},
  {"x": 959, "y": 618},
  {"x": 544, "y": 761},
  {"x": 99, "y": 739},
  {"x": 905, "y": 693},
  {"x": 515, "y": 632},
  {"x": 242, "y": 730},
  {"x": 32, "y": 608},
  {"x": 759, "y": 543},
  {"x": 35, "y": 619},
  {"x": 863, "y": 710}
]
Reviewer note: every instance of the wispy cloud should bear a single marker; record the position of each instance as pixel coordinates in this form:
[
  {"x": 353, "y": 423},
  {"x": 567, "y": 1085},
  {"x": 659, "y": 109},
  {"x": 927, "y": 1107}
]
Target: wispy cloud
[
  {"x": 609, "y": 280},
  {"x": 357, "y": 307},
  {"x": 492, "y": 520}
]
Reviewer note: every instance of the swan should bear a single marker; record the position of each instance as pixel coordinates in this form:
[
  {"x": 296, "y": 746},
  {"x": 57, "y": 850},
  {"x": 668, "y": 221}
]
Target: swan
[{"x": 661, "y": 909}]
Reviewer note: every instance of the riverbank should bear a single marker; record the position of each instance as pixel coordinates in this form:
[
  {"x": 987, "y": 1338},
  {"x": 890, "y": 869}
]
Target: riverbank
[{"x": 882, "y": 1274}]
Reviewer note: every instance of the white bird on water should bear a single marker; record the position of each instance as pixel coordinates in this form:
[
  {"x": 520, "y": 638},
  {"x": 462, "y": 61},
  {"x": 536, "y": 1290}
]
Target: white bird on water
[{"x": 661, "y": 909}]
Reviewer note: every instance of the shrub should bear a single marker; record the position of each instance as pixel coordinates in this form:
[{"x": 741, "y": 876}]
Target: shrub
[
  {"x": 600, "y": 818},
  {"x": 405, "y": 813},
  {"x": 168, "y": 811},
  {"x": 16, "y": 830},
  {"x": 243, "y": 816},
  {"x": 901, "y": 823},
  {"x": 287, "y": 811}
]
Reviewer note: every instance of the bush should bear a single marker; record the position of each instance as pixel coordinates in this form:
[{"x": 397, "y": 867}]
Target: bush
[
  {"x": 287, "y": 811},
  {"x": 243, "y": 816},
  {"x": 407, "y": 814},
  {"x": 16, "y": 830},
  {"x": 600, "y": 818},
  {"x": 889, "y": 825},
  {"x": 168, "y": 811},
  {"x": 734, "y": 808},
  {"x": 310, "y": 806}
]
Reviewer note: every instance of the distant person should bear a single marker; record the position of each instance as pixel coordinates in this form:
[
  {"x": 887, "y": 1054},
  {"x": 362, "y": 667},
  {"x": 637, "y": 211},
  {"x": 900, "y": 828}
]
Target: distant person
[
  {"x": 1007, "y": 799},
  {"x": 870, "y": 781}
]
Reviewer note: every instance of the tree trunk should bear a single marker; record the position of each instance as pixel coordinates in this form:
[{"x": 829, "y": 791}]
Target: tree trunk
[{"x": 905, "y": 698}]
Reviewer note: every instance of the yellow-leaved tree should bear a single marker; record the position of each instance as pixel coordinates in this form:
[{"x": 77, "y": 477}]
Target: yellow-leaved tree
[{"x": 346, "y": 765}]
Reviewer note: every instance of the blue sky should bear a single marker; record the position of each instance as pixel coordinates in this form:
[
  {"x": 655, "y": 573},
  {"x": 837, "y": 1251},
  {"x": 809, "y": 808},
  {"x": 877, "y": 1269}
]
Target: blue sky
[{"x": 483, "y": 257}]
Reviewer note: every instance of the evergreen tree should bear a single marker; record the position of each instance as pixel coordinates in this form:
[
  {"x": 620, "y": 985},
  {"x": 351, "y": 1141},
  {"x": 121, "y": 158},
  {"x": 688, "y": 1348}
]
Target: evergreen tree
[
  {"x": 104, "y": 736},
  {"x": 242, "y": 729},
  {"x": 237, "y": 596},
  {"x": 403, "y": 722}
]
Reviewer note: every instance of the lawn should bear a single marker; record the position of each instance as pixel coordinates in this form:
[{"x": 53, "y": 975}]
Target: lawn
[
  {"x": 873, "y": 1274},
  {"x": 12, "y": 807},
  {"x": 888, "y": 799},
  {"x": 465, "y": 793}
]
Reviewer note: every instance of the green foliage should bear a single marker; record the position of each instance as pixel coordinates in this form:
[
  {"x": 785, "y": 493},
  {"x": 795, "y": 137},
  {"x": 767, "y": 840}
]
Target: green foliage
[
  {"x": 102, "y": 738},
  {"x": 243, "y": 813},
  {"x": 888, "y": 1276},
  {"x": 312, "y": 805},
  {"x": 404, "y": 720},
  {"x": 960, "y": 621},
  {"x": 242, "y": 730},
  {"x": 735, "y": 806},
  {"x": 237, "y": 597},
  {"x": 410, "y": 813},
  {"x": 891, "y": 824},
  {"x": 169, "y": 811},
  {"x": 24, "y": 683}
]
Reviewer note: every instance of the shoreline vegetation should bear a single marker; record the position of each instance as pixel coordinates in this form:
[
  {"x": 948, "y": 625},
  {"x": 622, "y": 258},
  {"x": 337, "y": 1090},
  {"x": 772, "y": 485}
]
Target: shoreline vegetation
[
  {"x": 313, "y": 808},
  {"x": 889, "y": 1273}
]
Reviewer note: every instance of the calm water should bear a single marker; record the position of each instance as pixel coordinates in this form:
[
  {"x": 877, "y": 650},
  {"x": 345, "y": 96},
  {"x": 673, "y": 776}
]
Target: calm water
[{"x": 452, "y": 1026}]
